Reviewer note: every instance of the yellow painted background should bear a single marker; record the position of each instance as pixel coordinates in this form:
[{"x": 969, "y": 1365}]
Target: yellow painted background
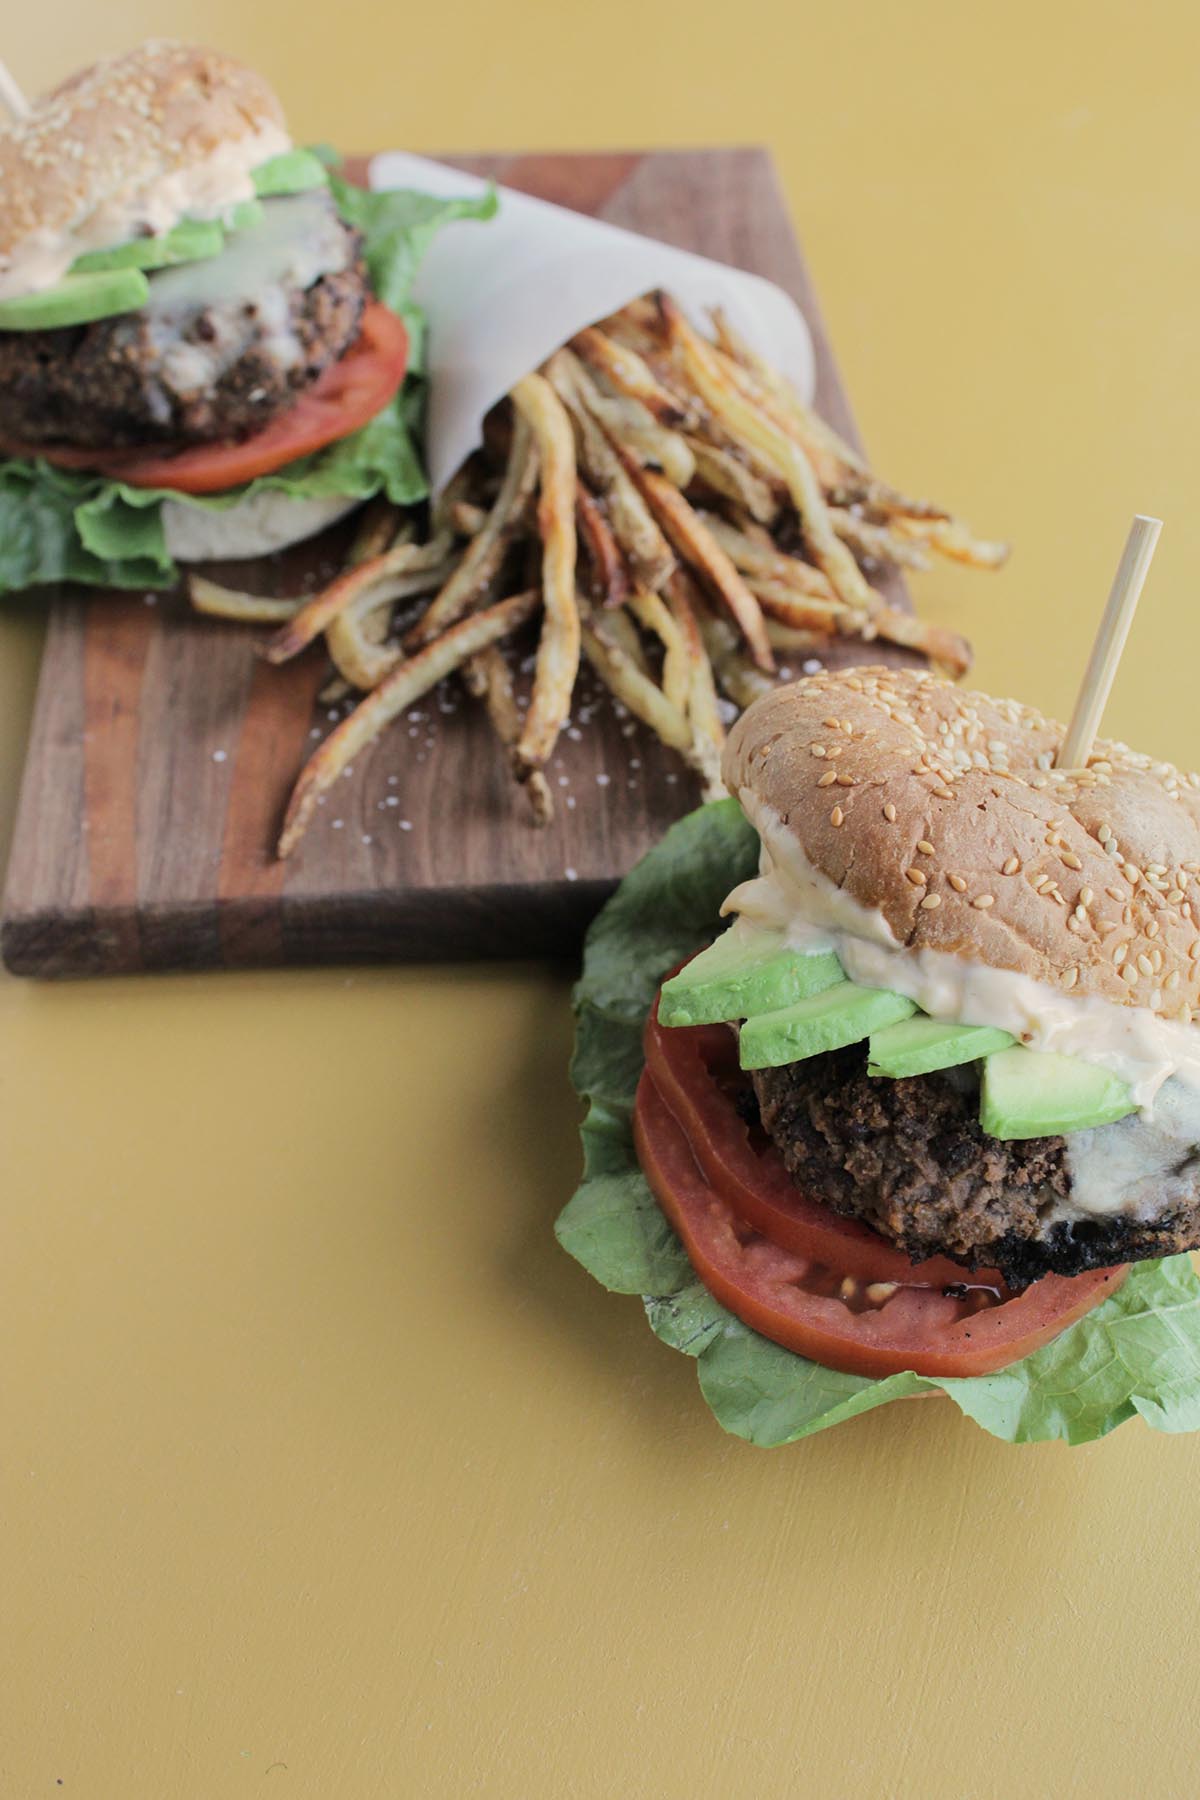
[{"x": 324, "y": 1474}]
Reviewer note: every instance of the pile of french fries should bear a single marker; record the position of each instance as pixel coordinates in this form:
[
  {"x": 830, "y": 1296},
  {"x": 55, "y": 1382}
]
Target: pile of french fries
[{"x": 666, "y": 507}]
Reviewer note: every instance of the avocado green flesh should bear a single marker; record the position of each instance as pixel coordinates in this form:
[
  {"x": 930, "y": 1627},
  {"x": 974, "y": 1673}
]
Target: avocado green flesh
[
  {"x": 921, "y": 1045},
  {"x": 1031, "y": 1093},
  {"x": 76, "y": 300},
  {"x": 826, "y": 1021},
  {"x": 291, "y": 172},
  {"x": 742, "y": 975},
  {"x": 189, "y": 241}
]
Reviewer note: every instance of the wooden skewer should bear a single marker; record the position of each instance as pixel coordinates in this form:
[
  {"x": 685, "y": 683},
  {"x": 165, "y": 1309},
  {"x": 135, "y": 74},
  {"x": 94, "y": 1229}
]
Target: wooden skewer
[
  {"x": 10, "y": 93},
  {"x": 1110, "y": 641}
]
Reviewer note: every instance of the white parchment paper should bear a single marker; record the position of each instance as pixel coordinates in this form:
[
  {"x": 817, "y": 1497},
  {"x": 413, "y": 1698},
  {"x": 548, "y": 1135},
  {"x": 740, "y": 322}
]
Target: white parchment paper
[{"x": 502, "y": 296}]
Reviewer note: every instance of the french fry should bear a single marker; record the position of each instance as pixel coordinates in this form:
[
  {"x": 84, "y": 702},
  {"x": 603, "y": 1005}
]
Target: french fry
[
  {"x": 650, "y": 557},
  {"x": 634, "y": 425},
  {"x": 218, "y": 602},
  {"x": 654, "y": 615},
  {"x": 721, "y": 471},
  {"x": 951, "y": 538},
  {"x": 876, "y": 542},
  {"x": 357, "y": 636},
  {"x": 467, "y": 519},
  {"x": 698, "y": 547},
  {"x": 406, "y": 683},
  {"x": 810, "y": 424},
  {"x": 489, "y": 678},
  {"x": 704, "y": 712},
  {"x": 557, "y": 665},
  {"x": 626, "y": 371},
  {"x": 380, "y": 525},
  {"x": 608, "y": 565},
  {"x": 484, "y": 556},
  {"x": 795, "y": 637},
  {"x": 736, "y": 674},
  {"x": 779, "y": 601},
  {"x": 636, "y": 691},
  {"x": 945, "y": 649},
  {"x": 618, "y": 628},
  {"x": 765, "y": 563},
  {"x": 317, "y": 614},
  {"x": 753, "y": 426}
]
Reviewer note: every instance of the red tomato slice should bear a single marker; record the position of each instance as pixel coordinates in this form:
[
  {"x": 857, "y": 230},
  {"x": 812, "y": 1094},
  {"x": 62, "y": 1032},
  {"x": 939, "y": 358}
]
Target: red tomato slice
[
  {"x": 809, "y": 1308},
  {"x": 695, "y": 1070},
  {"x": 345, "y": 396}
]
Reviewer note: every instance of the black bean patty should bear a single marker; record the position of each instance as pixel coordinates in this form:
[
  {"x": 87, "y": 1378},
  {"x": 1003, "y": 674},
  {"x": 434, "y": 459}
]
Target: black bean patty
[
  {"x": 221, "y": 372},
  {"x": 911, "y": 1159}
]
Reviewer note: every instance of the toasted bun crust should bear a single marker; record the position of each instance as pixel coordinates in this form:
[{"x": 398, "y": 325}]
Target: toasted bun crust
[
  {"x": 116, "y": 129},
  {"x": 1086, "y": 878}
]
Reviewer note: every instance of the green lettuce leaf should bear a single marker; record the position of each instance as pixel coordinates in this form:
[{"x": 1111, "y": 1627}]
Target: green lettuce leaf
[
  {"x": 1138, "y": 1353},
  {"x": 57, "y": 525}
]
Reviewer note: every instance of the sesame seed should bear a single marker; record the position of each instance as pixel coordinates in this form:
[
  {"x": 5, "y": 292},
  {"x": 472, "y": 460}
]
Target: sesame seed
[
  {"x": 1152, "y": 928},
  {"x": 828, "y": 778},
  {"x": 1012, "y": 866},
  {"x": 879, "y": 1291},
  {"x": 1175, "y": 896},
  {"x": 817, "y": 749},
  {"x": 1071, "y": 860},
  {"x": 931, "y": 901},
  {"x": 924, "y": 846},
  {"x": 1070, "y": 977},
  {"x": 847, "y": 780},
  {"x": 957, "y": 883},
  {"x": 1129, "y": 973},
  {"x": 889, "y": 813},
  {"x": 916, "y": 876},
  {"x": 836, "y": 816},
  {"x": 1144, "y": 963},
  {"x": 983, "y": 901},
  {"x": 848, "y": 1288},
  {"x": 1119, "y": 953}
]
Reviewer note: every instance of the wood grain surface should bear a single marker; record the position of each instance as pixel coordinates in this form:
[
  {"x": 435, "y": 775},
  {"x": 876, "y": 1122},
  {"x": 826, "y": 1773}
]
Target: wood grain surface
[{"x": 163, "y": 749}]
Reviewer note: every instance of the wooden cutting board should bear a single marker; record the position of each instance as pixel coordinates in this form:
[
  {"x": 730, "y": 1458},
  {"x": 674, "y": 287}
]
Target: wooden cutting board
[{"x": 163, "y": 749}]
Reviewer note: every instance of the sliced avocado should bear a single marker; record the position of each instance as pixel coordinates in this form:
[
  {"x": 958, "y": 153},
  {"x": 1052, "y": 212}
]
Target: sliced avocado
[
  {"x": 919, "y": 1045},
  {"x": 76, "y": 300},
  {"x": 245, "y": 215},
  {"x": 1032, "y": 1093},
  {"x": 291, "y": 172},
  {"x": 189, "y": 241},
  {"x": 841, "y": 1015},
  {"x": 743, "y": 973}
]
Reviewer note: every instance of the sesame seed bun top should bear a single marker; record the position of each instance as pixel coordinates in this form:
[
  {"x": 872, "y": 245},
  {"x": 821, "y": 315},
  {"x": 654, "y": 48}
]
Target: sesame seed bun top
[
  {"x": 941, "y": 809},
  {"x": 109, "y": 139}
]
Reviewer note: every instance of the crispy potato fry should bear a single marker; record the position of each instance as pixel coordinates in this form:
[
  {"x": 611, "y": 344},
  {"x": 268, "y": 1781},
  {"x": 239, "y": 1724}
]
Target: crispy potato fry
[
  {"x": 539, "y": 407},
  {"x": 488, "y": 676},
  {"x": 945, "y": 649},
  {"x": 951, "y": 538},
  {"x": 698, "y": 547},
  {"x": 625, "y": 370},
  {"x": 704, "y": 711},
  {"x": 877, "y": 542},
  {"x": 812, "y": 427},
  {"x": 795, "y": 637},
  {"x": 618, "y": 628},
  {"x": 753, "y": 426},
  {"x": 765, "y": 563},
  {"x": 484, "y": 556},
  {"x": 650, "y": 557},
  {"x": 780, "y": 601},
  {"x": 636, "y": 691},
  {"x": 635, "y": 427},
  {"x": 654, "y": 615},
  {"x": 380, "y": 525},
  {"x": 218, "y": 602},
  {"x": 725, "y": 474},
  {"x": 736, "y": 674},
  {"x": 406, "y": 683},
  {"x": 608, "y": 565},
  {"x": 317, "y": 614},
  {"x": 467, "y": 519},
  {"x": 357, "y": 636}
]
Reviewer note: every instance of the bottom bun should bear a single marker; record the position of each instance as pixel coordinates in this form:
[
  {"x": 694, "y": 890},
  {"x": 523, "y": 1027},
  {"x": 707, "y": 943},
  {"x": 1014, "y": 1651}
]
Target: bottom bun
[{"x": 253, "y": 527}]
